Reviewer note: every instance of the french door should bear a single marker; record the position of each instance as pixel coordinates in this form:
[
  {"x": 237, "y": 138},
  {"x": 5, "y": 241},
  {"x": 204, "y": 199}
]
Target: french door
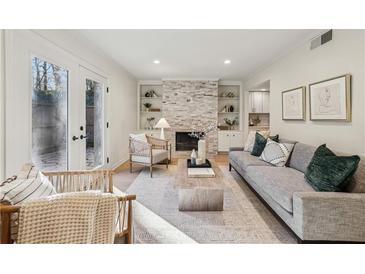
[
  {"x": 92, "y": 133},
  {"x": 68, "y": 126},
  {"x": 55, "y": 110}
]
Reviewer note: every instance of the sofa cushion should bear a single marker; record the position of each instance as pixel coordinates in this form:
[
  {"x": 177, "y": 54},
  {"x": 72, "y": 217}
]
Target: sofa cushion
[
  {"x": 158, "y": 155},
  {"x": 301, "y": 156},
  {"x": 357, "y": 182},
  {"x": 244, "y": 159},
  {"x": 280, "y": 183}
]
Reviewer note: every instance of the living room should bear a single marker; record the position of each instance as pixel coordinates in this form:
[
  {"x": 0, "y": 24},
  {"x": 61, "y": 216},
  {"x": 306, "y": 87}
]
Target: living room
[{"x": 182, "y": 136}]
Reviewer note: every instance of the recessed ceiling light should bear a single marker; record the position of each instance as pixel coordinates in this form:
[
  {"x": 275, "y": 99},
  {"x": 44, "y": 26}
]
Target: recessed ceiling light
[
  {"x": 227, "y": 61},
  {"x": 156, "y": 61}
]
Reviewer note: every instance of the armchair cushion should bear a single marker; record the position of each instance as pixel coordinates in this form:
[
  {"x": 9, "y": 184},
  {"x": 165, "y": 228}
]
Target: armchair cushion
[
  {"x": 158, "y": 155},
  {"x": 139, "y": 147},
  {"x": 141, "y": 137}
]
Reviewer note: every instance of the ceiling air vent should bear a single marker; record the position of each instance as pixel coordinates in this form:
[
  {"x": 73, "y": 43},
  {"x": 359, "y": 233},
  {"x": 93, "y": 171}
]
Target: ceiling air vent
[{"x": 322, "y": 39}]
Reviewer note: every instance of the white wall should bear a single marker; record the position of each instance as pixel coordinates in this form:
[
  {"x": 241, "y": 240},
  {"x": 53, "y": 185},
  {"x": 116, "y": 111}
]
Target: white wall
[
  {"x": 2, "y": 107},
  {"x": 344, "y": 54},
  {"x": 121, "y": 109}
]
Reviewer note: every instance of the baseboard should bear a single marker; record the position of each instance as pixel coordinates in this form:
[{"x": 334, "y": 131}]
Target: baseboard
[{"x": 119, "y": 163}]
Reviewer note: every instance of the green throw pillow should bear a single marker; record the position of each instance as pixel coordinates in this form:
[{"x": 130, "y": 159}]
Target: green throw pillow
[
  {"x": 328, "y": 172},
  {"x": 260, "y": 143}
]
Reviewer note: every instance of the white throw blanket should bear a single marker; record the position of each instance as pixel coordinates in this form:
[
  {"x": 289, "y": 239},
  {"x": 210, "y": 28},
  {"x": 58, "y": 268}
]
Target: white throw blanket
[{"x": 69, "y": 218}]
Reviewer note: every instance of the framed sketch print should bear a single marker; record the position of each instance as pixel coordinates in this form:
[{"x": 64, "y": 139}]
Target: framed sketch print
[
  {"x": 331, "y": 99},
  {"x": 293, "y": 104}
]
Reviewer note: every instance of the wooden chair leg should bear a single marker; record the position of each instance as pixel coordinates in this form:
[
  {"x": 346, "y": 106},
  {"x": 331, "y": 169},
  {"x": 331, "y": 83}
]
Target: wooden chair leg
[
  {"x": 151, "y": 170},
  {"x": 130, "y": 166},
  {"x": 167, "y": 163},
  {"x": 130, "y": 224},
  {"x": 5, "y": 229}
]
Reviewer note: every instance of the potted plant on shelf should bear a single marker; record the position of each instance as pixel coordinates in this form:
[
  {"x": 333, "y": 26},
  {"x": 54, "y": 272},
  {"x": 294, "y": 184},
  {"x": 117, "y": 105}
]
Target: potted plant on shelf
[
  {"x": 147, "y": 106},
  {"x": 150, "y": 124},
  {"x": 231, "y": 122}
]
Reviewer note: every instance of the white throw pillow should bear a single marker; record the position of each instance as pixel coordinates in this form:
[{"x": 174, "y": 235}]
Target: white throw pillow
[
  {"x": 140, "y": 137},
  {"x": 250, "y": 141},
  {"x": 17, "y": 190},
  {"x": 28, "y": 170},
  {"x": 275, "y": 153}
]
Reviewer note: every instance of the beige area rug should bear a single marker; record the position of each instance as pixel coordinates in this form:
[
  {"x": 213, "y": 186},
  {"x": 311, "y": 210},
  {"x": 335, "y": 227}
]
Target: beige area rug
[{"x": 244, "y": 218}]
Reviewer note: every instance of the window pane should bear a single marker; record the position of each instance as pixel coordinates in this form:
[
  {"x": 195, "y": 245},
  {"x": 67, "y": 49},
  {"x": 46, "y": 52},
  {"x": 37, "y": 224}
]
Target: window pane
[
  {"x": 49, "y": 115},
  {"x": 94, "y": 124}
]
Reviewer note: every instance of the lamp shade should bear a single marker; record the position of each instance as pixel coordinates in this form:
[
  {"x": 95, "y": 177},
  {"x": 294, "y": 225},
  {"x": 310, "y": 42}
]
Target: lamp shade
[{"x": 162, "y": 123}]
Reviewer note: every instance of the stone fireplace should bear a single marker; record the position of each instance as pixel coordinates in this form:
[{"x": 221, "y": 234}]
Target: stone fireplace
[
  {"x": 185, "y": 142},
  {"x": 190, "y": 105}
]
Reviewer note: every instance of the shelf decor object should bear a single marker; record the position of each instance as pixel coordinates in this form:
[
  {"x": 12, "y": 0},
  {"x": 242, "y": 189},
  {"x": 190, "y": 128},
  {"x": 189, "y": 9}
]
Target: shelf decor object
[
  {"x": 331, "y": 99},
  {"x": 293, "y": 104},
  {"x": 149, "y": 125},
  {"x": 231, "y": 122},
  {"x": 162, "y": 124},
  {"x": 151, "y": 93},
  {"x": 147, "y": 106}
]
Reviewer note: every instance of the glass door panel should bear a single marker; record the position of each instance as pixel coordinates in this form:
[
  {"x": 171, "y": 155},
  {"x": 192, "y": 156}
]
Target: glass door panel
[
  {"x": 49, "y": 115},
  {"x": 94, "y": 121}
]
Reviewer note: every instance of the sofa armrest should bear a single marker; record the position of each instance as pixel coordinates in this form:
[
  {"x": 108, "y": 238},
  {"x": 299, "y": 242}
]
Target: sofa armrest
[
  {"x": 330, "y": 216},
  {"x": 236, "y": 149}
]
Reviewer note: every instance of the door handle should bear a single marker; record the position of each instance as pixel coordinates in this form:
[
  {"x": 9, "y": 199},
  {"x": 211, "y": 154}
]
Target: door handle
[
  {"x": 74, "y": 138},
  {"x": 83, "y": 137}
]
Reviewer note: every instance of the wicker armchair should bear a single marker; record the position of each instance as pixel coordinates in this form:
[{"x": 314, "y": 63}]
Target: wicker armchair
[
  {"x": 74, "y": 181},
  {"x": 149, "y": 153}
]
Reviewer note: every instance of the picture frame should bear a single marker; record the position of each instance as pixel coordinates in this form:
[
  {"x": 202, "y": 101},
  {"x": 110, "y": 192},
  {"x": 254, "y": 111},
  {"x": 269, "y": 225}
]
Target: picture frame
[
  {"x": 330, "y": 99},
  {"x": 293, "y": 104}
]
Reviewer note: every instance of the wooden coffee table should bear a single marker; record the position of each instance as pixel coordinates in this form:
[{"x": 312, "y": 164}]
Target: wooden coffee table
[{"x": 199, "y": 194}]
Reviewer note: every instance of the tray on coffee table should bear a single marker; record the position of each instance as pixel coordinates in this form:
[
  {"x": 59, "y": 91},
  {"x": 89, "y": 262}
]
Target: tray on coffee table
[{"x": 205, "y": 165}]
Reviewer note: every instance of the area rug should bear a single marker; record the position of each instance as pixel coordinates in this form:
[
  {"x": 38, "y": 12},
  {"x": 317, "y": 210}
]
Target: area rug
[{"x": 244, "y": 218}]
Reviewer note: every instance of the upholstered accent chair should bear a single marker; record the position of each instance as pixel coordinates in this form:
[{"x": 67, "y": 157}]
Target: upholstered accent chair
[{"x": 148, "y": 151}]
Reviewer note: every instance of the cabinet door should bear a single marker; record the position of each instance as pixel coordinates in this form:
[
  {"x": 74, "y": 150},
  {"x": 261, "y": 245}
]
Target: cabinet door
[
  {"x": 236, "y": 139},
  {"x": 256, "y": 102},
  {"x": 223, "y": 141},
  {"x": 266, "y": 102},
  {"x": 250, "y": 102}
]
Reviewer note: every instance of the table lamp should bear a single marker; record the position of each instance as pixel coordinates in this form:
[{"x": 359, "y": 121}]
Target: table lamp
[{"x": 162, "y": 123}]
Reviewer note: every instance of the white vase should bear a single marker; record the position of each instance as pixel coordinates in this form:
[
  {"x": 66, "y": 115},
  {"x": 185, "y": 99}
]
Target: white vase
[
  {"x": 193, "y": 157},
  {"x": 202, "y": 150}
]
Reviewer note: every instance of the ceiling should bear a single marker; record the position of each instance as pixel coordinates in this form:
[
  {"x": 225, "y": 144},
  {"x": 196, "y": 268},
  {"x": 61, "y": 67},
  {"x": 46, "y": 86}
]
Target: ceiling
[{"x": 195, "y": 53}]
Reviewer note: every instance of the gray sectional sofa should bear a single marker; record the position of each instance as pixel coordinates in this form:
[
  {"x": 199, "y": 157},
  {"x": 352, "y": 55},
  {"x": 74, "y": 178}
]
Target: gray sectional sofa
[{"x": 313, "y": 216}]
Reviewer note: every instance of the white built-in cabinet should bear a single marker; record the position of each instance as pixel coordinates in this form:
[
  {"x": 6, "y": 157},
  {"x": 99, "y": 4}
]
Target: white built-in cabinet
[
  {"x": 259, "y": 102},
  {"x": 228, "y": 138}
]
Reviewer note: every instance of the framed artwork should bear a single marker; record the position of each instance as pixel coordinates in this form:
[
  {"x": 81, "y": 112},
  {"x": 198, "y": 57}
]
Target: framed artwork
[
  {"x": 331, "y": 99},
  {"x": 293, "y": 104}
]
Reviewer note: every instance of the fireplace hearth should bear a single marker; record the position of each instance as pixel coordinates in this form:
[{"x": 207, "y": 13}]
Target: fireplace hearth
[{"x": 184, "y": 142}]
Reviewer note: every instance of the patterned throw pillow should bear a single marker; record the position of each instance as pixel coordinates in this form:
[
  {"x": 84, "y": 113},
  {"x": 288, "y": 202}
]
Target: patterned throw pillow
[
  {"x": 28, "y": 170},
  {"x": 275, "y": 153},
  {"x": 250, "y": 141},
  {"x": 21, "y": 190}
]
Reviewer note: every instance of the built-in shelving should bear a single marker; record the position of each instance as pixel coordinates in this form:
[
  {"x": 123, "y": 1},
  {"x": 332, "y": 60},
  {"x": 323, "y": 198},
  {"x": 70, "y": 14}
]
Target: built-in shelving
[
  {"x": 229, "y": 96},
  {"x": 155, "y": 101}
]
